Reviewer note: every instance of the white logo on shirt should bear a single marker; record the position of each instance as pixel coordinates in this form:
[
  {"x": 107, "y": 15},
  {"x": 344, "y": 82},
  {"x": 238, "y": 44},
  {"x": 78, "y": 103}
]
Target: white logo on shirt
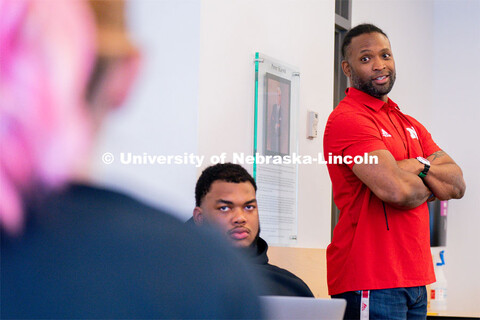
[
  {"x": 413, "y": 133},
  {"x": 386, "y": 134}
]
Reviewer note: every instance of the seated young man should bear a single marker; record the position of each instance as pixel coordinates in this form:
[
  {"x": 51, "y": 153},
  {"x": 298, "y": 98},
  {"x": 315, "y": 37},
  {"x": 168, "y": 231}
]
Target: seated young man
[{"x": 225, "y": 197}]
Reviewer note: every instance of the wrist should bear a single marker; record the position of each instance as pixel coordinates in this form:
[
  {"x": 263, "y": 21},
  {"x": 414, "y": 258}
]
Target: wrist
[{"x": 426, "y": 167}]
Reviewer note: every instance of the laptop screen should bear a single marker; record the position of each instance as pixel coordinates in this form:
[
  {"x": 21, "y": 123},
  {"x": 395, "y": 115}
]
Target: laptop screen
[{"x": 282, "y": 307}]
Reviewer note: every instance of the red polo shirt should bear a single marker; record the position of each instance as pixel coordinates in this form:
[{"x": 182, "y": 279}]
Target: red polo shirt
[{"x": 364, "y": 254}]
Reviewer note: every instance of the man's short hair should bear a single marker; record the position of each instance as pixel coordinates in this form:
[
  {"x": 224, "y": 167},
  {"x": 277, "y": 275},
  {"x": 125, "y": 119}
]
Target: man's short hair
[
  {"x": 355, "y": 32},
  {"x": 227, "y": 172}
]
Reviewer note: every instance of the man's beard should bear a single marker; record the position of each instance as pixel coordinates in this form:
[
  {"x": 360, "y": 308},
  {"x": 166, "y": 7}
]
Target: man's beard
[{"x": 368, "y": 86}]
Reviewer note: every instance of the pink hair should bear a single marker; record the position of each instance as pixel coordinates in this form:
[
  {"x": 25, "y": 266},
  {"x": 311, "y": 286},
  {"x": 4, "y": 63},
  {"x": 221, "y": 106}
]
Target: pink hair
[{"x": 46, "y": 55}]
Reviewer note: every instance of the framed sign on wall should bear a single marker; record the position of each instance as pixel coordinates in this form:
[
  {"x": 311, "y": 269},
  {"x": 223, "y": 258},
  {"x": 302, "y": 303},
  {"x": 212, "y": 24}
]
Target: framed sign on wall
[{"x": 275, "y": 148}]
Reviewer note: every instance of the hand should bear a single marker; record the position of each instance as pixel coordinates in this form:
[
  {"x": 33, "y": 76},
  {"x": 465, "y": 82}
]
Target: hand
[{"x": 411, "y": 165}]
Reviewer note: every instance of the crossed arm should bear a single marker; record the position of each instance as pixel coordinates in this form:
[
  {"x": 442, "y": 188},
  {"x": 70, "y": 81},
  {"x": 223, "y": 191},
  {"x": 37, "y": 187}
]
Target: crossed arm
[
  {"x": 444, "y": 179},
  {"x": 398, "y": 183}
]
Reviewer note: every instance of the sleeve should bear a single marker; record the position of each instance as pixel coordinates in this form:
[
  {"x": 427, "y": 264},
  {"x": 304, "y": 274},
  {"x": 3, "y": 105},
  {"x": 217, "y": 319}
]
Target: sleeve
[
  {"x": 426, "y": 141},
  {"x": 352, "y": 134}
]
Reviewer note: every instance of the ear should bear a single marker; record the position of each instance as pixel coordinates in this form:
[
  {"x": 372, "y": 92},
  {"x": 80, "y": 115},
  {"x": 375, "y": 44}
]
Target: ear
[
  {"x": 119, "y": 79},
  {"x": 198, "y": 216},
  {"x": 346, "y": 68}
]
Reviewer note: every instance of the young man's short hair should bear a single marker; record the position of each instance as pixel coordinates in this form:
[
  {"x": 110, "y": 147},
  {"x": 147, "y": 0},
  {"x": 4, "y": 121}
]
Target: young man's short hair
[
  {"x": 228, "y": 172},
  {"x": 357, "y": 31}
]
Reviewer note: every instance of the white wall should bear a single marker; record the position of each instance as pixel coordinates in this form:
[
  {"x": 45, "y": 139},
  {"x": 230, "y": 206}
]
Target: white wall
[
  {"x": 299, "y": 33},
  {"x": 409, "y": 26},
  {"x": 455, "y": 116},
  {"x": 160, "y": 117},
  {"x": 195, "y": 94},
  {"x": 435, "y": 45}
]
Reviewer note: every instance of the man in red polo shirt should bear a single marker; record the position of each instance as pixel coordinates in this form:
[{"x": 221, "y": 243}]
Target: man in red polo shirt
[{"x": 379, "y": 259}]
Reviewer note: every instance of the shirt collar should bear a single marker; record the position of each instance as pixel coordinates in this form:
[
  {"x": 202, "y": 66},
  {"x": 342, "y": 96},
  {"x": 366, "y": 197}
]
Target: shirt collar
[{"x": 369, "y": 101}]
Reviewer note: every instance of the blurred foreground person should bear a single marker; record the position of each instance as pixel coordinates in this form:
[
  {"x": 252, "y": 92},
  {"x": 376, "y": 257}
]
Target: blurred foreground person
[{"x": 70, "y": 249}]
